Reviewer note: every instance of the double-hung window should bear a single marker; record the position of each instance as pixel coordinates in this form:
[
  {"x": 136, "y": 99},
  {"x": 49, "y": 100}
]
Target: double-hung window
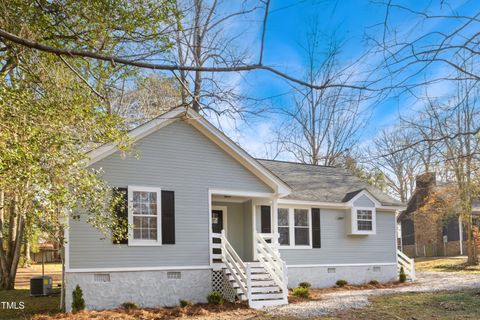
[
  {"x": 144, "y": 215},
  {"x": 364, "y": 220},
  {"x": 294, "y": 228}
]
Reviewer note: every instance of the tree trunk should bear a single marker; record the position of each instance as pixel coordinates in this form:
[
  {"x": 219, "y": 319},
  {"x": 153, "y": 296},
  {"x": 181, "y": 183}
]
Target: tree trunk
[
  {"x": 471, "y": 248},
  {"x": 27, "y": 259},
  {"x": 9, "y": 260}
]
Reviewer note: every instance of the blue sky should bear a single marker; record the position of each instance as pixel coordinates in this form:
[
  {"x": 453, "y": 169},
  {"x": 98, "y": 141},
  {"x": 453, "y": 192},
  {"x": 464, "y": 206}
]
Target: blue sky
[{"x": 349, "y": 21}]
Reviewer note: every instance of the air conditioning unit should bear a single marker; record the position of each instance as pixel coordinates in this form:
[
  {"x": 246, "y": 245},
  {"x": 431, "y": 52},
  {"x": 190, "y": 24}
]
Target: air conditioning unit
[{"x": 40, "y": 286}]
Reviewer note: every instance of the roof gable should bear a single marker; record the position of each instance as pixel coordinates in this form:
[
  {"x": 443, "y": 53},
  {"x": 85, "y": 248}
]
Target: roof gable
[{"x": 208, "y": 130}]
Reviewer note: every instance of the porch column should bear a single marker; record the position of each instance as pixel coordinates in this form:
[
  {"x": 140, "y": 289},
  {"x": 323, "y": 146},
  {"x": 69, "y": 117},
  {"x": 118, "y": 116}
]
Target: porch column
[{"x": 275, "y": 221}]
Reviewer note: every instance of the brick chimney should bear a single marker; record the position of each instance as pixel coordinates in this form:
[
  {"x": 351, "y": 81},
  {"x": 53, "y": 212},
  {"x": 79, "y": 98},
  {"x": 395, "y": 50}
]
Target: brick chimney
[{"x": 425, "y": 180}]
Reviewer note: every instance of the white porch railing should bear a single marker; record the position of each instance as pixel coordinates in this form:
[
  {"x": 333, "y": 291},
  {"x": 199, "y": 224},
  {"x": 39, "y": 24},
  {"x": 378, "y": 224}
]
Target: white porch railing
[
  {"x": 231, "y": 261},
  {"x": 269, "y": 257},
  {"x": 407, "y": 263},
  {"x": 262, "y": 283}
]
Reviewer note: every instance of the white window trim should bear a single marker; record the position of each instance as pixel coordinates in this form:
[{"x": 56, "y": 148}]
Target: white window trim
[
  {"x": 139, "y": 243},
  {"x": 355, "y": 221},
  {"x": 291, "y": 227}
]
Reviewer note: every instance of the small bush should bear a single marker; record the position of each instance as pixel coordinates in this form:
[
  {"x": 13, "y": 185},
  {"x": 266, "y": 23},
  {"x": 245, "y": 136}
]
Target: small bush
[
  {"x": 301, "y": 292},
  {"x": 341, "y": 283},
  {"x": 215, "y": 297},
  {"x": 129, "y": 305},
  {"x": 78, "y": 303},
  {"x": 374, "y": 283},
  {"x": 402, "y": 276},
  {"x": 304, "y": 284},
  {"x": 185, "y": 303}
]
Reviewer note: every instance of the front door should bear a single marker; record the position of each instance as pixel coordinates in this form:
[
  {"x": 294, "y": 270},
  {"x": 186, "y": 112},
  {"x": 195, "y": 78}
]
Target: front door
[{"x": 217, "y": 226}]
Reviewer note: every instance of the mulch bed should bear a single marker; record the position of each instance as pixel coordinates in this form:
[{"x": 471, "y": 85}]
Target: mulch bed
[
  {"x": 199, "y": 311},
  {"x": 316, "y": 294}
]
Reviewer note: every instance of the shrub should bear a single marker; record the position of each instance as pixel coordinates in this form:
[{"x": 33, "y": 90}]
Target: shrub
[
  {"x": 215, "y": 297},
  {"x": 301, "y": 292},
  {"x": 129, "y": 305},
  {"x": 374, "y": 282},
  {"x": 185, "y": 303},
  {"x": 304, "y": 284},
  {"x": 402, "y": 276},
  {"x": 78, "y": 303},
  {"x": 341, "y": 283}
]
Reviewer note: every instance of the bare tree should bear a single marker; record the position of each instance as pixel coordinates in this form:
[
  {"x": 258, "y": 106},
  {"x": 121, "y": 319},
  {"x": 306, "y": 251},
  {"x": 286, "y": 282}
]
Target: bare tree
[
  {"x": 149, "y": 97},
  {"x": 461, "y": 154},
  {"x": 323, "y": 124},
  {"x": 400, "y": 168}
]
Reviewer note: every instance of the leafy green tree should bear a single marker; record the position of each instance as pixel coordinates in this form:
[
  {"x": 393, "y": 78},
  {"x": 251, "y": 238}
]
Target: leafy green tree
[{"x": 53, "y": 109}]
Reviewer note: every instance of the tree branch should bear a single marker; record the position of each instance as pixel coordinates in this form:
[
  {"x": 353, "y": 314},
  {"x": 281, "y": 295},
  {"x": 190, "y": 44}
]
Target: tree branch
[{"x": 113, "y": 59}]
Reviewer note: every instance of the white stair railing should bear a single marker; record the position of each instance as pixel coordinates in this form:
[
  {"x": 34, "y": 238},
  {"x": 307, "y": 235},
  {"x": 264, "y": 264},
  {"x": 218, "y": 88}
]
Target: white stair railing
[
  {"x": 407, "y": 263},
  {"x": 234, "y": 264},
  {"x": 269, "y": 257}
]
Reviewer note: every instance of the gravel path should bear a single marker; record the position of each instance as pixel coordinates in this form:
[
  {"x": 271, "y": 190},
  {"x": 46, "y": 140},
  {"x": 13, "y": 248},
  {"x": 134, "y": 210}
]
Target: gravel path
[{"x": 331, "y": 302}]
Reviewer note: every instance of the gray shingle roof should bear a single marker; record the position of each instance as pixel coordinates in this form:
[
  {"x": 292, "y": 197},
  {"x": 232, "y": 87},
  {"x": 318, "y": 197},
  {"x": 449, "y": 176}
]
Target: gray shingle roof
[{"x": 323, "y": 183}]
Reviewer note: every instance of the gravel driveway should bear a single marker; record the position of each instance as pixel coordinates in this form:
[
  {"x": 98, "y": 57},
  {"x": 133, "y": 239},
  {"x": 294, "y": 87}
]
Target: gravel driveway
[{"x": 331, "y": 302}]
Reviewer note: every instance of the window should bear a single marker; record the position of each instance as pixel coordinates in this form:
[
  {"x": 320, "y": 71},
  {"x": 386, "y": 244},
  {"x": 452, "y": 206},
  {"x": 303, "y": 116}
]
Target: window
[
  {"x": 364, "y": 220},
  {"x": 283, "y": 227},
  {"x": 302, "y": 229},
  {"x": 294, "y": 227},
  {"x": 144, "y": 215}
]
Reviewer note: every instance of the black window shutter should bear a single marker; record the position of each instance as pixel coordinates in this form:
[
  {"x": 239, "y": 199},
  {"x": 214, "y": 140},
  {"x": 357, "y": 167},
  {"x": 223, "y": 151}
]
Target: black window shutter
[
  {"x": 316, "y": 235},
  {"x": 121, "y": 211},
  {"x": 168, "y": 217},
  {"x": 265, "y": 221}
]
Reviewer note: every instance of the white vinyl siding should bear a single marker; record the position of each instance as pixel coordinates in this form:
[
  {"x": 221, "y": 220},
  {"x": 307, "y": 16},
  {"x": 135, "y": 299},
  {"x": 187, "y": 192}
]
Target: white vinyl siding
[
  {"x": 176, "y": 158},
  {"x": 340, "y": 248}
]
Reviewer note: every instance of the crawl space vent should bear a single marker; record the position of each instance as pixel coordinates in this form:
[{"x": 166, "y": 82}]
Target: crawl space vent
[
  {"x": 331, "y": 270},
  {"x": 376, "y": 269},
  {"x": 101, "y": 277},
  {"x": 174, "y": 275}
]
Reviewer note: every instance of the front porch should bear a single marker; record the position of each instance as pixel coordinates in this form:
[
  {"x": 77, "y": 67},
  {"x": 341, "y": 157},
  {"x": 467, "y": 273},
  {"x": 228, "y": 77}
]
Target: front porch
[
  {"x": 241, "y": 217},
  {"x": 244, "y": 248}
]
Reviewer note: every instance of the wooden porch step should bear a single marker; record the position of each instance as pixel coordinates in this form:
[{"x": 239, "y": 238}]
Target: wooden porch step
[
  {"x": 266, "y": 303},
  {"x": 261, "y": 276},
  {"x": 262, "y": 283},
  {"x": 266, "y": 296},
  {"x": 270, "y": 289}
]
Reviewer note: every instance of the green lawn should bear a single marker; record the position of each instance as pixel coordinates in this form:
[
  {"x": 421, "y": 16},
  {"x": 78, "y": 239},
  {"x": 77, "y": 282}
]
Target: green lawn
[
  {"x": 414, "y": 306},
  {"x": 420, "y": 306},
  {"x": 33, "y": 305},
  {"x": 445, "y": 265}
]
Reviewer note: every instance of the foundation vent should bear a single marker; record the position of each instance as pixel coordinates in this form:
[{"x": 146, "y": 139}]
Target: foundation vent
[
  {"x": 331, "y": 270},
  {"x": 377, "y": 269},
  {"x": 101, "y": 277},
  {"x": 174, "y": 275}
]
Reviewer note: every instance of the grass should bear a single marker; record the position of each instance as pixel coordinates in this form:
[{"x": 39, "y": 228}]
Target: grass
[
  {"x": 418, "y": 306},
  {"x": 22, "y": 280},
  {"x": 32, "y": 305},
  {"x": 446, "y": 265}
]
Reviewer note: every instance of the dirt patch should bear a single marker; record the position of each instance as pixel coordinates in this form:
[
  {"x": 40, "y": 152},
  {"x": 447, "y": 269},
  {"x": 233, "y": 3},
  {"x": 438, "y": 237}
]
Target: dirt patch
[{"x": 198, "y": 311}]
